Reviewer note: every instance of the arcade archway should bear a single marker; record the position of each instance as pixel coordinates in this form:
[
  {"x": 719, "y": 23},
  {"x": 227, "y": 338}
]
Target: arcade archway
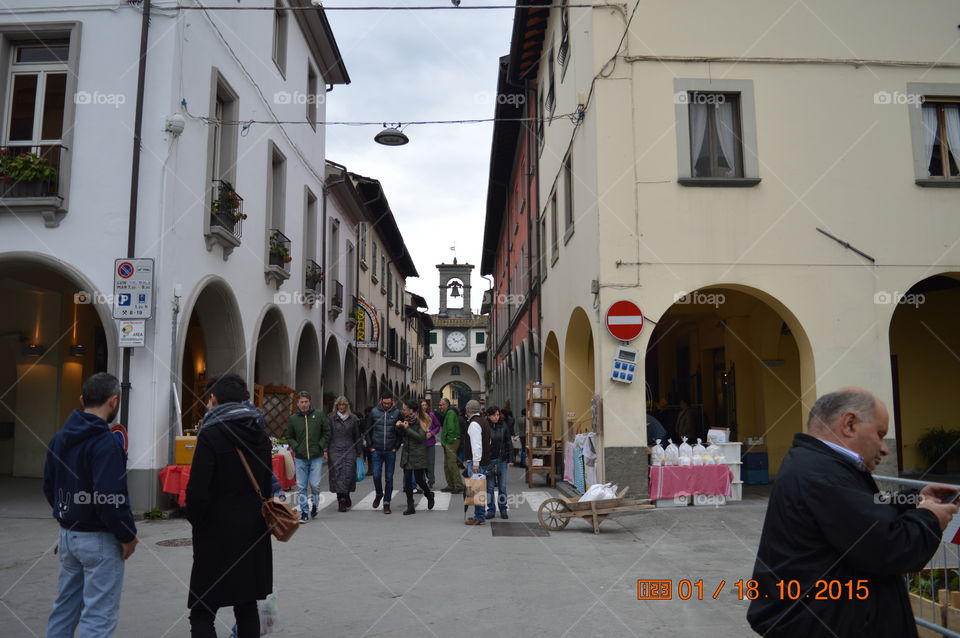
[
  {"x": 53, "y": 334},
  {"x": 308, "y": 361},
  {"x": 212, "y": 344},
  {"x": 924, "y": 351},
  {"x": 739, "y": 359}
]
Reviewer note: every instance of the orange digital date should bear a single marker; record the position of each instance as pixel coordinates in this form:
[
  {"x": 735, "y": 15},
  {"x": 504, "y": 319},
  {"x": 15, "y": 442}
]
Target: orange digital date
[{"x": 750, "y": 590}]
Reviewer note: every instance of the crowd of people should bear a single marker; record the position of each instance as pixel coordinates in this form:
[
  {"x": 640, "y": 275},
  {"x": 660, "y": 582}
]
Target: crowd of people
[{"x": 411, "y": 429}]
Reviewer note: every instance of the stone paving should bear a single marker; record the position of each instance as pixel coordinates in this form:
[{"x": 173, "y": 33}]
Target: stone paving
[{"x": 362, "y": 573}]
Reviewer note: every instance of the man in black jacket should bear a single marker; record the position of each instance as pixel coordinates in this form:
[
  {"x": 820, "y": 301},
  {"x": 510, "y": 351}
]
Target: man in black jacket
[
  {"x": 827, "y": 527},
  {"x": 384, "y": 438}
]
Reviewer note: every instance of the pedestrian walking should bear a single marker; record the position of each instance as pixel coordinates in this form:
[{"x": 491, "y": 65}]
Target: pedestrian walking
[
  {"x": 383, "y": 436},
  {"x": 413, "y": 459},
  {"x": 232, "y": 553},
  {"x": 308, "y": 433},
  {"x": 477, "y": 453},
  {"x": 501, "y": 458},
  {"x": 432, "y": 438},
  {"x": 450, "y": 440},
  {"x": 85, "y": 482},
  {"x": 345, "y": 443}
]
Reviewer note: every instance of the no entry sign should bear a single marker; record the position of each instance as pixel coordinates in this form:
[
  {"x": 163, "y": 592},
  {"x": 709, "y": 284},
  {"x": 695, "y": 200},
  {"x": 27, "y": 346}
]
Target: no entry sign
[{"x": 624, "y": 320}]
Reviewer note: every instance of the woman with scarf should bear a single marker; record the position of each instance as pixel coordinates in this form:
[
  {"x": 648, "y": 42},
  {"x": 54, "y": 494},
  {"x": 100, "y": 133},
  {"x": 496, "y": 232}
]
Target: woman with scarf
[
  {"x": 345, "y": 444},
  {"x": 413, "y": 459}
]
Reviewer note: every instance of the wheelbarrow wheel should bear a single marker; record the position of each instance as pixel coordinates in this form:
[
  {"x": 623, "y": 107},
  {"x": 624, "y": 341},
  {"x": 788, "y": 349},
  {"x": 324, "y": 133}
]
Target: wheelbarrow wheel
[{"x": 549, "y": 514}]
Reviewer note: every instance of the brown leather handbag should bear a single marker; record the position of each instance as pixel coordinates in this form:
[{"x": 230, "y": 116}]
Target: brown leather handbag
[{"x": 279, "y": 517}]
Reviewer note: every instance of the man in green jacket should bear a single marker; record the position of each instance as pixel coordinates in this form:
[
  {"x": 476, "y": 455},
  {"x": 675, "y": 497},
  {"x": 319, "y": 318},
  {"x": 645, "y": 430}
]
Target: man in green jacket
[
  {"x": 450, "y": 439},
  {"x": 308, "y": 433}
]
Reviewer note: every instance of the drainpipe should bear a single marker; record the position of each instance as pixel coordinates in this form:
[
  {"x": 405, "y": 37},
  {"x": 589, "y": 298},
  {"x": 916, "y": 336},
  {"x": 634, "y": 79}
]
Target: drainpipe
[{"x": 134, "y": 192}]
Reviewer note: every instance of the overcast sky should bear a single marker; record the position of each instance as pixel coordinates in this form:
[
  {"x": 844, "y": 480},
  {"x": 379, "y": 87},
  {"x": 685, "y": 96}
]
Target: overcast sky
[{"x": 422, "y": 65}]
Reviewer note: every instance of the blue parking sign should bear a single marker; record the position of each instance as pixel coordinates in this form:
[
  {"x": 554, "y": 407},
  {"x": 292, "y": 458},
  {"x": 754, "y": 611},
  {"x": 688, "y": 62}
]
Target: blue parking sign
[{"x": 123, "y": 299}]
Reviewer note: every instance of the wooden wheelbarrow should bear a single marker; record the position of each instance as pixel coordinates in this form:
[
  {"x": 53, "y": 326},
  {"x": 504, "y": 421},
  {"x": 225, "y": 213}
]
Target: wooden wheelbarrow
[{"x": 555, "y": 513}]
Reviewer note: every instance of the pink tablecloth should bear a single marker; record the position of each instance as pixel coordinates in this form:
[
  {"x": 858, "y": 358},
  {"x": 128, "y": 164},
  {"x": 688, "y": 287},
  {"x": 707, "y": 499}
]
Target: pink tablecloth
[
  {"x": 174, "y": 478},
  {"x": 670, "y": 481}
]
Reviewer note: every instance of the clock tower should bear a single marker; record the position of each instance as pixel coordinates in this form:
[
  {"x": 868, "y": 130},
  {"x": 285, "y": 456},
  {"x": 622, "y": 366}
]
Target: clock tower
[{"x": 457, "y": 338}]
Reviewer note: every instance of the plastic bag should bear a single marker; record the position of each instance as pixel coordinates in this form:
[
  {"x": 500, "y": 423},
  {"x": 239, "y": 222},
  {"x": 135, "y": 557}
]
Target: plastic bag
[
  {"x": 671, "y": 455},
  {"x": 715, "y": 454},
  {"x": 599, "y": 492},
  {"x": 361, "y": 469},
  {"x": 269, "y": 616},
  {"x": 656, "y": 454},
  {"x": 698, "y": 453},
  {"x": 686, "y": 453}
]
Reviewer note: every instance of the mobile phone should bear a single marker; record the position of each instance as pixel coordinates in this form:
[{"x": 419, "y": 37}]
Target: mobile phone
[{"x": 952, "y": 499}]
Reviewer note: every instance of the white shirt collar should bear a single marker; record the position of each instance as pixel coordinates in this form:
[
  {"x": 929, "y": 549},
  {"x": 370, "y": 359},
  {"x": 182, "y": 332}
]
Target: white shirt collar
[{"x": 850, "y": 454}]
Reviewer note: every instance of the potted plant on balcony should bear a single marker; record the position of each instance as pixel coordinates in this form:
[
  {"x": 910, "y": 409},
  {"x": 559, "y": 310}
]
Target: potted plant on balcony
[
  {"x": 314, "y": 278},
  {"x": 226, "y": 207},
  {"x": 26, "y": 174},
  {"x": 279, "y": 254}
]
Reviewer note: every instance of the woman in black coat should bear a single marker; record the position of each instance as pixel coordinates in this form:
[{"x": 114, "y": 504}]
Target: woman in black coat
[
  {"x": 345, "y": 443},
  {"x": 232, "y": 555}
]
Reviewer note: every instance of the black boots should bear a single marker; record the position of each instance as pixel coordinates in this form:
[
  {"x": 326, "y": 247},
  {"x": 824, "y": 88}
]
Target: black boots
[
  {"x": 430, "y": 497},
  {"x": 410, "y": 508},
  {"x": 342, "y": 503}
]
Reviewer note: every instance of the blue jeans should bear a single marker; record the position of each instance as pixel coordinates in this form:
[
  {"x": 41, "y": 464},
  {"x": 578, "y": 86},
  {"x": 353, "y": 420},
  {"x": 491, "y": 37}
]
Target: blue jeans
[
  {"x": 478, "y": 510},
  {"x": 497, "y": 477},
  {"x": 383, "y": 458},
  {"x": 88, "y": 592},
  {"x": 308, "y": 475}
]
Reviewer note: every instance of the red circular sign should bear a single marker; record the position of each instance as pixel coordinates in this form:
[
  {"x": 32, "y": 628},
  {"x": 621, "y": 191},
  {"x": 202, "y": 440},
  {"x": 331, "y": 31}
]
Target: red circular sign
[
  {"x": 624, "y": 320},
  {"x": 125, "y": 269}
]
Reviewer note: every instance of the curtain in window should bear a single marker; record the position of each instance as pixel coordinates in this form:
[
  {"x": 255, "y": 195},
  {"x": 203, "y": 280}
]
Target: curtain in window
[
  {"x": 698, "y": 129},
  {"x": 727, "y": 134},
  {"x": 929, "y": 115},
  {"x": 952, "y": 115}
]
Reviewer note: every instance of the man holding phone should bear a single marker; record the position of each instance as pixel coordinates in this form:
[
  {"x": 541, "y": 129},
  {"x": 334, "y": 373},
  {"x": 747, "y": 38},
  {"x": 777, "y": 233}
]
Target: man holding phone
[{"x": 825, "y": 524}]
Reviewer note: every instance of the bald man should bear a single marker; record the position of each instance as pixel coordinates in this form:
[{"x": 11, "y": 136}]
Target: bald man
[{"x": 827, "y": 529}]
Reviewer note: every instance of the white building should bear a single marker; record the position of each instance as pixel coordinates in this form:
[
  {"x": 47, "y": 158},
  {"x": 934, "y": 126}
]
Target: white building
[
  {"x": 229, "y": 294},
  {"x": 457, "y": 338}
]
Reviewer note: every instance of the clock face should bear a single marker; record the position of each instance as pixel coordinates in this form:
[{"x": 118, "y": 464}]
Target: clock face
[{"x": 456, "y": 341}]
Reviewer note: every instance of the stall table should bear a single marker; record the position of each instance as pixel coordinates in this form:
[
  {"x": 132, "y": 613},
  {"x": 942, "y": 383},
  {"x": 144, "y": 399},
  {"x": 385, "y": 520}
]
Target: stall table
[
  {"x": 669, "y": 481},
  {"x": 174, "y": 478}
]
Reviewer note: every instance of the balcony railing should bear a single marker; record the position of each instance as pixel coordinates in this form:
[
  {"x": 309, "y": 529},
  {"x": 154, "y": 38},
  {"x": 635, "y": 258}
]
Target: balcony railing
[
  {"x": 336, "y": 299},
  {"x": 226, "y": 208},
  {"x": 314, "y": 276},
  {"x": 31, "y": 171},
  {"x": 279, "y": 254}
]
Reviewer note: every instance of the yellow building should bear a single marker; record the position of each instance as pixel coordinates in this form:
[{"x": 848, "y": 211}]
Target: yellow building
[{"x": 773, "y": 185}]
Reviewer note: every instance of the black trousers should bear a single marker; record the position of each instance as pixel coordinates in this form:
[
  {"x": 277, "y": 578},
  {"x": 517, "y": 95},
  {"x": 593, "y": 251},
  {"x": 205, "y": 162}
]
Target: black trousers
[
  {"x": 420, "y": 476},
  {"x": 202, "y": 621}
]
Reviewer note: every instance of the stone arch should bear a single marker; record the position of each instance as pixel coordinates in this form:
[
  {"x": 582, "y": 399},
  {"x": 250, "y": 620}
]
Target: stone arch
[{"x": 307, "y": 373}]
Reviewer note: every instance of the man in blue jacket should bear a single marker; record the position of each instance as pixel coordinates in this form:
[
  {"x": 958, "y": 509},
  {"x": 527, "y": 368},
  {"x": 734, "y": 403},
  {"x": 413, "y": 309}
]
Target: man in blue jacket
[
  {"x": 85, "y": 482},
  {"x": 383, "y": 437}
]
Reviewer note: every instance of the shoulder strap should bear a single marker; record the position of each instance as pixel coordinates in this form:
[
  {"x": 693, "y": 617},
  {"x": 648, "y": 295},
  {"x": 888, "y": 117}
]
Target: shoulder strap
[{"x": 253, "y": 481}]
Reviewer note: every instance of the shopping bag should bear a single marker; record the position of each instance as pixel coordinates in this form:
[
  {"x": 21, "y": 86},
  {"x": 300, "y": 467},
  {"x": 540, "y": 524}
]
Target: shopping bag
[
  {"x": 361, "y": 469},
  {"x": 269, "y": 615},
  {"x": 475, "y": 490}
]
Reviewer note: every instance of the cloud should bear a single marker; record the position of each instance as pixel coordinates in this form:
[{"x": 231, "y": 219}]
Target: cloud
[{"x": 423, "y": 65}]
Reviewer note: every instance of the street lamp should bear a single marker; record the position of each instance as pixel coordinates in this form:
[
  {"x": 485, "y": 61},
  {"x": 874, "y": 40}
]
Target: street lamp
[{"x": 391, "y": 136}]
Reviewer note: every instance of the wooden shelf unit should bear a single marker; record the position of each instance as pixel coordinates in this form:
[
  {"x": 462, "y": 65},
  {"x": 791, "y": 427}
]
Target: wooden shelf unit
[{"x": 539, "y": 439}]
